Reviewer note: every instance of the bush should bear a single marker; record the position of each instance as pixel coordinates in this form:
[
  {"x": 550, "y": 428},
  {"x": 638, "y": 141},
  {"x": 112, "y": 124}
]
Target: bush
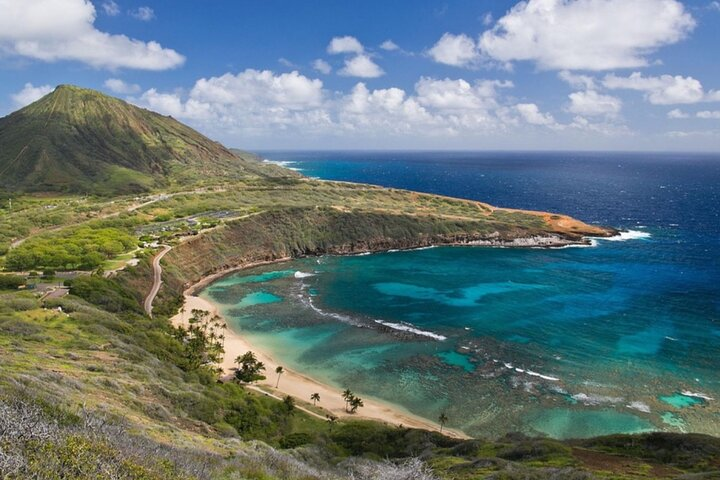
[
  {"x": 105, "y": 293},
  {"x": 11, "y": 282}
]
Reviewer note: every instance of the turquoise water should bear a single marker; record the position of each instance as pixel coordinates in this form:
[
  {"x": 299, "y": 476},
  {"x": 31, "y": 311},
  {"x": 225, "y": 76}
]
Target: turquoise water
[{"x": 568, "y": 342}]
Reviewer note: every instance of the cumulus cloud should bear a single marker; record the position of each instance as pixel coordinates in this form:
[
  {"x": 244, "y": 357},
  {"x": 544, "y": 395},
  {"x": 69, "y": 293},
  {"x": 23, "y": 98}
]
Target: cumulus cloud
[
  {"x": 116, "y": 85},
  {"x": 586, "y": 34},
  {"x": 709, "y": 115},
  {"x": 459, "y": 94},
  {"x": 532, "y": 115},
  {"x": 577, "y": 81},
  {"x": 346, "y": 44},
  {"x": 251, "y": 102},
  {"x": 52, "y": 30},
  {"x": 322, "y": 66},
  {"x": 361, "y": 66},
  {"x": 30, "y": 93},
  {"x": 144, "y": 14},
  {"x": 111, "y": 8},
  {"x": 592, "y": 103},
  {"x": 714, "y": 5},
  {"x": 261, "y": 104},
  {"x": 389, "y": 45},
  {"x": 677, "y": 114},
  {"x": 455, "y": 50},
  {"x": 662, "y": 90}
]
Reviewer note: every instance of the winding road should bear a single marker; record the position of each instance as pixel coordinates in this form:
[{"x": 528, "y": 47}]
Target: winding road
[{"x": 157, "y": 279}]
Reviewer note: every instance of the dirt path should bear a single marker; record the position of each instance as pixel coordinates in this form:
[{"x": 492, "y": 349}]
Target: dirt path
[{"x": 157, "y": 279}]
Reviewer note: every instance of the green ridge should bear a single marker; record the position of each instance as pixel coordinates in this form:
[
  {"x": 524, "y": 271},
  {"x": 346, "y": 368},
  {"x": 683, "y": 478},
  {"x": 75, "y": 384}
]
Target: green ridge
[{"x": 79, "y": 140}]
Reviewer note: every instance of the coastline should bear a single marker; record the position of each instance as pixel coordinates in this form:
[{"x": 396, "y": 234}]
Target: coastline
[
  {"x": 294, "y": 383},
  {"x": 300, "y": 385}
]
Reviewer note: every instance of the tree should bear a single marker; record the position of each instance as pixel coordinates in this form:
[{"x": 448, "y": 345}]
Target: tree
[
  {"x": 347, "y": 395},
  {"x": 355, "y": 403},
  {"x": 443, "y": 419},
  {"x": 279, "y": 370},
  {"x": 249, "y": 368},
  {"x": 315, "y": 397},
  {"x": 332, "y": 420},
  {"x": 289, "y": 403}
]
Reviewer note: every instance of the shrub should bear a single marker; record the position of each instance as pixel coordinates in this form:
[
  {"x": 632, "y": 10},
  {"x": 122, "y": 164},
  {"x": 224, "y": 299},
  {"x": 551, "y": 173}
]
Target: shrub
[{"x": 11, "y": 282}]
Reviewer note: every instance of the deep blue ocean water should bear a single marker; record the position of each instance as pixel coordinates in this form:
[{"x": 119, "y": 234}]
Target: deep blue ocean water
[{"x": 620, "y": 337}]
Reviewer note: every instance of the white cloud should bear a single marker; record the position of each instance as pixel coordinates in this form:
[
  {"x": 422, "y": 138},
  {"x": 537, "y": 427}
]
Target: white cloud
[
  {"x": 662, "y": 90},
  {"x": 111, "y": 8},
  {"x": 586, "y": 34},
  {"x": 709, "y": 115},
  {"x": 282, "y": 109},
  {"x": 577, "y": 81},
  {"x": 459, "y": 94},
  {"x": 713, "y": 96},
  {"x": 52, "y": 30},
  {"x": 361, "y": 66},
  {"x": 715, "y": 5},
  {"x": 532, "y": 115},
  {"x": 677, "y": 114},
  {"x": 487, "y": 19},
  {"x": 253, "y": 103},
  {"x": 322, "y": 66},
  {"x": 592, "y": 103},
  {"x": 30, "y": 93},
  {"x": 116, "y": 85},
  {"x": 144, "y": 14},
  {"x": 286, "y": 63},
  {"x": 389, "y": 45},
  {"x": 346, "y": 44},
  {"x": 456, "y": 50}
]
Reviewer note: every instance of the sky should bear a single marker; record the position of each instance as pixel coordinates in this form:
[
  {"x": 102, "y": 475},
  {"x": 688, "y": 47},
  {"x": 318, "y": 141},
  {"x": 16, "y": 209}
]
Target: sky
[{"x": 401, "y": 74}]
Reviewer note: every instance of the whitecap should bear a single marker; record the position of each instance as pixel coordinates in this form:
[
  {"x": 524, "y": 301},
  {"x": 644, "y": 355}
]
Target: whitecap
[
  {"x": 626, "y": 235},
  {"x": 592, "y": 399},
  {"x": 593, "y": 243},
  {"x": 703, "y": 396},
  {"x": 640, "y": 406},
  {"x": 300, "y": 274},
  {"x": 544, "y": 377},
  {"x": 408, "y": 328}
]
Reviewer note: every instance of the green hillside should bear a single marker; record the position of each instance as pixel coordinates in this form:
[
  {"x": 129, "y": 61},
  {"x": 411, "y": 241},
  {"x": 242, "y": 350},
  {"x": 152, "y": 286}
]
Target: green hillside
[{"x": 79, "y": 140}]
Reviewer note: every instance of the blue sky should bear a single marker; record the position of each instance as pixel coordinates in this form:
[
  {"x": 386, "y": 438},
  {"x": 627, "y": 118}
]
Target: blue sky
[{"x": 540, "y": 74}]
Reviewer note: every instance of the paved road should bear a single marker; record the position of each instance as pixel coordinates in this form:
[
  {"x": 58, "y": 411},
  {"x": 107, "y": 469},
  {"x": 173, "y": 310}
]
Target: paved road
[{"x": 157, "y": 279}]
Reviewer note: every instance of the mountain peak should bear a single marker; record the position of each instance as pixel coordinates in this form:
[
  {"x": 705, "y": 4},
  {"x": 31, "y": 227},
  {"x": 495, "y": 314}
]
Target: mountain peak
[{"x": 80, "y": 140}]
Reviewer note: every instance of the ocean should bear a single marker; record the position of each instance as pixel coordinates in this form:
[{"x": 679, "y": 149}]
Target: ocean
[{"x": 622, "y": 336}]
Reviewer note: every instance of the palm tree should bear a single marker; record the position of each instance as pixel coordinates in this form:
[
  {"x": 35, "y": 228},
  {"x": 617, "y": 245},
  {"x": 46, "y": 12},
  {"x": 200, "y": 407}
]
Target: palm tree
[
  {"x": 443, "y": 419},
  {"x": 279, "y": 370},
  {"x": 347, "y": 395},
  {"x": 331, "y": 419},
  {"x": 315, "y": 397},
  {"x": 355, "y": 402}
]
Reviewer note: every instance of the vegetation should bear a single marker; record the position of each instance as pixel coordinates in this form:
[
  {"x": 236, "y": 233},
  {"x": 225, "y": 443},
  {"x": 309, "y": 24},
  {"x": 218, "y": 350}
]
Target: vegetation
[
  {"x": 83, "y": 248},
  {"x": 79, "y": 140},
  {"x": 11, "y": 282},
  {"x": 249, "y": 368}
]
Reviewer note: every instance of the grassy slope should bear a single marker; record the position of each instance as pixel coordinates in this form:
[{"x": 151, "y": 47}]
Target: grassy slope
[{"x": 80, "y": 140}]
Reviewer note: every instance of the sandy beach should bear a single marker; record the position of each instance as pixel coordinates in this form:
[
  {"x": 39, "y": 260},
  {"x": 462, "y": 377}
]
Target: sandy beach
[{"x": 298, "y": 385}]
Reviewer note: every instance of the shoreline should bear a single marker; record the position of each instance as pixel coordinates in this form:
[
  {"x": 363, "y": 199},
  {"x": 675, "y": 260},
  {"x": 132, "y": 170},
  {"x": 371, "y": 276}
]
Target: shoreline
[
  {"x": 292, "y": 382},
  {"x": 300, "y": 385}
]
